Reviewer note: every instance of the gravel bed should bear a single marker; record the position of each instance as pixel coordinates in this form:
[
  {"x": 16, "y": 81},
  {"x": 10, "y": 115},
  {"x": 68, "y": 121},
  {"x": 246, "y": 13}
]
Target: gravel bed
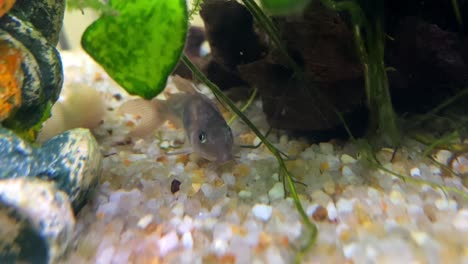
[{"x": 156, "y": 208}]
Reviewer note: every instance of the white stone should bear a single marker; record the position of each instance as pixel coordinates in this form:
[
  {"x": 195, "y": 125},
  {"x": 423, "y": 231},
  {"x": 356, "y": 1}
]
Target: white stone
[
  {"x": 373, "y": 193},
  {"x": 460, "y": 221},
  {"x": 186, "y": 225},
  {"x": 256, "y": 141},
  {"x": 108, "y": 209},
  {"x": 273, "y": 256},
  {"x": 220, "y": 246},
  {"x": 187, "y": 240},
  {"x": 420, "y": 237},
  {"x": 415, "y": 172},
  {"x": 283, "y": 140},
  {"x": 165, "y": 144},
  {"x": 262, "y": 211},
  {"x": 245, "y": 194},
  {"x": 444, "y": 204},
  {"x": 178, "y": 209},
  {"x": 168, "y": 243},
  {"x": 332, "y": 213},
  {"x": 136, "y": 157},
  {"x": 121, "y": 255},
  {"x": 277, "y": 192},
  {"x": 207, "y": 190},
  {"x": 222, "y": 231},
  {"x": 346, "y": 171},
  {"x": 350, "y": 250},
  {"x": 105, "y": 256},
  {"x": 326, "y": 148},
  {"x": 347, "y": 159},
  {"x": 396, "y": 197},
  {"x": 345, "y": 206},
  {"x": 320, "y": 197},
  {"x": 443, "y": 156},
  {"x": 228, "y": 178},
  {"x": 145, "y": 221},
  {"x": 209, "y": 223},
  {"x": 329, "y": 187}
]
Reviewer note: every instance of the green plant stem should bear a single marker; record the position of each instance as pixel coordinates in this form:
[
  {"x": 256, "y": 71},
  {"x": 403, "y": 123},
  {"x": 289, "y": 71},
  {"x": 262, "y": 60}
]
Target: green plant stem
[
  {"x": 456, "y": 10},
  {"x": 421, "y": 182},
  {"x": 195, "y": 8},
  {"x": 249, "y": 102},
  {"x": 443, "y": 141},
  {"x": 383, "y": 118},
  {"x": 289, "y": 179},
  {"x": 369, "y": 156},
  {"x": 370, "y": 49},
  {"x": 440, "y": 107},
  {"x": 267, "y": 25}
]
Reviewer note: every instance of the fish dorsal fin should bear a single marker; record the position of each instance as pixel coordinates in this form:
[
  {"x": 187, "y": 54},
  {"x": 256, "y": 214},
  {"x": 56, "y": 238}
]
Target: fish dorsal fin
[{"x": 184, "y": 85}]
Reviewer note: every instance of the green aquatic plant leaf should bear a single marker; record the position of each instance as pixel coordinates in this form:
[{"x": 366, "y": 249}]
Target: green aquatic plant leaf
[
  {"x": 284, "y": 7},
  {"x": 140, "y": 46}
]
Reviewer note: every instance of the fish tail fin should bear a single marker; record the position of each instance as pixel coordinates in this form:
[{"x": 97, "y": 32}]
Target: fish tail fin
[{"x": 147, "y": 116}]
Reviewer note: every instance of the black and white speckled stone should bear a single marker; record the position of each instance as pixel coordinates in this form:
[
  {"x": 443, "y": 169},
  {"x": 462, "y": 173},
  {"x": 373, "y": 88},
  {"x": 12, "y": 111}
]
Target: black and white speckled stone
[
  {"x": 42, "y": 69},
  {"x": 36, "y": 221},
  {"x": 46, "y": 16},
  {"x": 72, "y": 160}
]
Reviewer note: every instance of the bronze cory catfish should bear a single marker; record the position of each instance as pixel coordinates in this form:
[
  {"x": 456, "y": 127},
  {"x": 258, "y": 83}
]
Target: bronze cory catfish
[{"x": 206, "y": 130}]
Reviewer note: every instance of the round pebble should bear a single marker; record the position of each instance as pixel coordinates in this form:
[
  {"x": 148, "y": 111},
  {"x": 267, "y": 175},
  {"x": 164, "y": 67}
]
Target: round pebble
[{"x": 262, "y": 211}]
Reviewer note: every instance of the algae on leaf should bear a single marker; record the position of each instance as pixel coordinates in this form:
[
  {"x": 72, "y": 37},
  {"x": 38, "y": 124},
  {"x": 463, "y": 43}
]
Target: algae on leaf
[{"x": 140, "y": 46}]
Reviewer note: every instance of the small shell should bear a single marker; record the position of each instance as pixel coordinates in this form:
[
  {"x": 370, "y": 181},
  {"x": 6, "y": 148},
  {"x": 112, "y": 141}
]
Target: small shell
[{"x": 82, "y": 106}]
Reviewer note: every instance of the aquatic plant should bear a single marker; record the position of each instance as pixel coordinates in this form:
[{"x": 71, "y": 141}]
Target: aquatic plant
[
  {"x": 196, "y": 6},
  {"x": 367, "y": 24},
  {"x": 457, "y": 13},
  {"x": 267, "y": 25}
]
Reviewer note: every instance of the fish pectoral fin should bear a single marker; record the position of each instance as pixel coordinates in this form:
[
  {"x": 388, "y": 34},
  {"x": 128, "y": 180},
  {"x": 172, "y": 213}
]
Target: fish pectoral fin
[{"x": 186, "y": 150}]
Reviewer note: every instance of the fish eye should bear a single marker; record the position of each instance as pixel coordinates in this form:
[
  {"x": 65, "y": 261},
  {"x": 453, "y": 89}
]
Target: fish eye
[{"x": 202, "y": 137}]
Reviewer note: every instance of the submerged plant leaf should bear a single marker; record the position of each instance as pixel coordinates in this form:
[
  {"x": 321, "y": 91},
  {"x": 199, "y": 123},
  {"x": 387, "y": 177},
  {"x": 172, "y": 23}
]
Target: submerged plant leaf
[
  {"x": 140, "y": 46},
  {"x": 283, "y": 7}
]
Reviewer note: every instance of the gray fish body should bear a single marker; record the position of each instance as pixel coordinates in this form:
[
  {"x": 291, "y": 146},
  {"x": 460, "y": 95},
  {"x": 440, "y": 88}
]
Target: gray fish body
[{"x": 207, "y": 131}]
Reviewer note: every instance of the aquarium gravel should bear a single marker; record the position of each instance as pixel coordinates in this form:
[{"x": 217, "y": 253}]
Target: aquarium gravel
[{"x": 151, "y": 207}]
